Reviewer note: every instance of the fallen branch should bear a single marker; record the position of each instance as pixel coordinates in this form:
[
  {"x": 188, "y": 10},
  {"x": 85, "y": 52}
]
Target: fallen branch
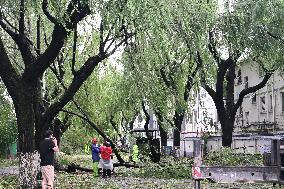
[{"x": 73, "y": 167}]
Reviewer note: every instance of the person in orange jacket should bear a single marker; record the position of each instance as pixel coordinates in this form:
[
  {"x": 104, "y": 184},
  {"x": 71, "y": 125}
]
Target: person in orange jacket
[{"x": 106, "y": 161}]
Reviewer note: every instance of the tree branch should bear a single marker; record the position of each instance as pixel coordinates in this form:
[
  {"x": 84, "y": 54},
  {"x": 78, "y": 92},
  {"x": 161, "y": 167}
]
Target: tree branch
[
  {"x": 7, "y": 29},
  {"x": 210, "y": 91},
  {"x": 100, "y": 132},
  {"x": 275, "y": 37},
  {"x": 164, "y": 77},
  {"x": 190, "y": 78},
  {"x": 244, "y": 92},
  {"x": 58, "y": 38},
  {"x": 74, "y": 50},
  {"x": 102, "y": 42},
  {"x": 212, "y": 48},
  {"x": 77, "y": 82},
  {"x": 7, "y": 21},
  {"x": 38, "y": 34},
  {"x": 24, "y": 43},
  {"x": 51, "y": 18},
  {"x": 146, "y": 125},
  {"x": 22, "y": 18},
  {"x": 8, "y": 73}
]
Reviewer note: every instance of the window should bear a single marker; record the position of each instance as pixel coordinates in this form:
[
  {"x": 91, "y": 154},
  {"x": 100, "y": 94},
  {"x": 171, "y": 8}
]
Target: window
[
  {"x": 253, "y": 99},
  {"x": 261, "y": 71},
  {"x": 282, "y": 101},
  {"x": 262, "y": 104},
  {"x": 239, "y": 78},
  {"x": 246, "y": 82},
  {"x": 270, "y": 103},
  {"x": 195, "y": 116},
  {"x": 189, "y": 118},
  {"x": 241, "y": 111},
  {"x": 247, "y": 118}
]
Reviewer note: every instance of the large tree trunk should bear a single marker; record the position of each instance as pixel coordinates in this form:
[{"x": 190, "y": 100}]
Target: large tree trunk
[
  {"x": 163, "y": 133},
  {"x": 155, "y": 154},
  {"x": 228, "y": 128},
  {"x": 227, "y": 133},
  {"x": 164, "y": 136},
  {"x": 178, "y": 118},
  {"x": 29, "y": 158},
  {"x": 25, "y": 121}
]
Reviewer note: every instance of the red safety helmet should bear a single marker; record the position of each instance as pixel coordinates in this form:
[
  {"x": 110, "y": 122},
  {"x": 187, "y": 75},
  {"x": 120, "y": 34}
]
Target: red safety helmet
[{"x": 94, "y": 140}]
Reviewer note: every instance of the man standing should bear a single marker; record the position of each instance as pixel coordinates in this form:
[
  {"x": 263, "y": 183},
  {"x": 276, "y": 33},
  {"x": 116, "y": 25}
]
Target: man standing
[
  {"x": 47, "y": 148},
  {"x": 95, "y": 156}
]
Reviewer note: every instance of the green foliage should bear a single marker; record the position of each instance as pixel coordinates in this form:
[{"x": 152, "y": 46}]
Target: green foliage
[
  {"x": 228, "y": 157},
  {"x": 81, "y": 160},
  {"x": 75, "y": 138},
  {"x": 8, "y": 163},
  {"x": 9, "y": 182},
  {"x": 168, "y": 167},
  {"x": 8, "y": 126}
]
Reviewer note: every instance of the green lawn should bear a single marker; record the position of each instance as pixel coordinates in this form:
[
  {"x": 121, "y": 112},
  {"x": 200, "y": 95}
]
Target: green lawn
[
  {"x": 172, "y": 174},
  {"x": 8, "y": 163}
]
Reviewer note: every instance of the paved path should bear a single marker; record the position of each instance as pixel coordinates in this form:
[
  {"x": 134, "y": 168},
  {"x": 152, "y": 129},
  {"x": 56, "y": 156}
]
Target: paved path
[{"x": 14, "y": 170}]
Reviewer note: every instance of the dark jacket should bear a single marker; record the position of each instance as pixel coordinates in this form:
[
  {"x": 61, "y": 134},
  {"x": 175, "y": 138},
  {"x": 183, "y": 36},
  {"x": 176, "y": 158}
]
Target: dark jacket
[{"x": 95, "y": 153}]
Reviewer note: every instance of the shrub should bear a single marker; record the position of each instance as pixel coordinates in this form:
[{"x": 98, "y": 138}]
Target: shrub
[
  {"x": 168, "y": 167},
  {"x": 228, "y": 157}
]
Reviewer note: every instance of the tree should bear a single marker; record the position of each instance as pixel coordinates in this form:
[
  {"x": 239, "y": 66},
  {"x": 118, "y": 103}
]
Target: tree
[
  {"x": 166, "y": 51},
  {"x": 237, "y": 32},
  {"x": 24, "y": 78}
]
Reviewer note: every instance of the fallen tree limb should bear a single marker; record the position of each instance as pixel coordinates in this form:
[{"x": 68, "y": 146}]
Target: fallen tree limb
[{"x": 73, "y": 167}]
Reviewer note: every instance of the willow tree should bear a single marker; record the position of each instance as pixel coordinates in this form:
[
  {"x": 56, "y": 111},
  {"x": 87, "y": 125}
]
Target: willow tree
[
  {"x": 38, "y": 50},
  {"x": 239, "y": 34},
  {"x": 167, "y": 49}
]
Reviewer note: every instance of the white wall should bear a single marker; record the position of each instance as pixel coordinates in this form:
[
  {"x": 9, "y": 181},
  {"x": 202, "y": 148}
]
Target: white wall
[{"x": 274, "y": 87}]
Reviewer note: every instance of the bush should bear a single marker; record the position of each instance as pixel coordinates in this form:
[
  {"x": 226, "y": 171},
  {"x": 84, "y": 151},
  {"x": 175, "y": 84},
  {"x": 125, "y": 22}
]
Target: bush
[
  {"x": 168, "y": 167},
  {"x": 228, "y": 157},
  {"x": 81, "y": 160}
]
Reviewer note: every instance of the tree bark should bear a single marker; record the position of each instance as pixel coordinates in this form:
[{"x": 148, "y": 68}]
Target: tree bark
[
  {"x": 227, "y": 133},
  {"x": 163, "y": 133},
  {"x": 178, "y": 118},
  {"x": 155, "y": 153}
]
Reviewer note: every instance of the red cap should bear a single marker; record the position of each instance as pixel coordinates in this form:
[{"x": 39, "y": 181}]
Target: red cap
[{"x": 94, "y": 140}]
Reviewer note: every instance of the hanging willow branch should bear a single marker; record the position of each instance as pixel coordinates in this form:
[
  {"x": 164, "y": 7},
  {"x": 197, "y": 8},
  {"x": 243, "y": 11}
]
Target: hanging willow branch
[{"x": 74, "y": 50}]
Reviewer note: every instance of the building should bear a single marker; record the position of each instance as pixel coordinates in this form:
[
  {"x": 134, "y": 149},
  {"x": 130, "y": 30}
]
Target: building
[
  {"x": 201, "y": 116},
  {"x": 262, "y": 111},
  {"x": 259, "y": 119}
]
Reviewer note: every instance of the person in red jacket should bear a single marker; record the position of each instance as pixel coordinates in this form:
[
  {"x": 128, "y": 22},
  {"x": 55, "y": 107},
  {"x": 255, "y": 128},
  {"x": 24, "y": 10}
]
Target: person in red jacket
[{"x": 106, "y": 161}]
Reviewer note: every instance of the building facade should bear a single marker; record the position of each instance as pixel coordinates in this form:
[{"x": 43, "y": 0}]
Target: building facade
[
  {"x": 201, "y": 116},
  {"x": 262, "y": 111}
]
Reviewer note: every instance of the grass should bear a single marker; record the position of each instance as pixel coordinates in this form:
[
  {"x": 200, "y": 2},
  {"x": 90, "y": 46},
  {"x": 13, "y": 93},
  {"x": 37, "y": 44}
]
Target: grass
[
  {"x": 9, "y": 163},
  {"x": 82, "y": 160},
  {"x": 169, "y": 174},
  {"x": 87, "y": 181},
  {"x": 8, "y": 182}
]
